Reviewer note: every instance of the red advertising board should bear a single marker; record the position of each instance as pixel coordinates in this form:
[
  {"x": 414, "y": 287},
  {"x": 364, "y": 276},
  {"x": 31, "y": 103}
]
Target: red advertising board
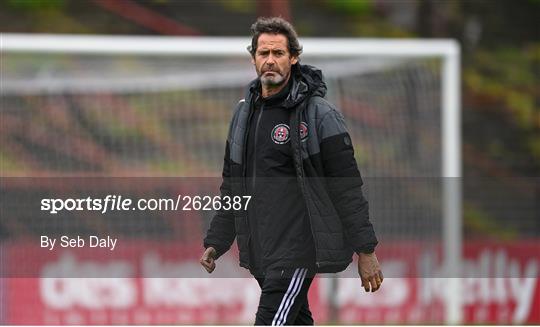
[{"x": 501, "y": 287}]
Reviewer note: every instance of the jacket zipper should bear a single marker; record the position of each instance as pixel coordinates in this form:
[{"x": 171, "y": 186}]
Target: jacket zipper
[
  {"x": 244, "y": 154},
  {"x": 244, "y": 158},
  {"x": 255, "y": 148}
]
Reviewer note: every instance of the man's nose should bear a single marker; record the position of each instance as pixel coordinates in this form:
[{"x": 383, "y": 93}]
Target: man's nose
[{"x": 270, "y": 60}]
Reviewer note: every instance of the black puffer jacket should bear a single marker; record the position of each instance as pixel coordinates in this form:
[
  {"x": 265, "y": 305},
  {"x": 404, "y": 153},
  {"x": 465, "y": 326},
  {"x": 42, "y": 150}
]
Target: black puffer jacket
[{"x": 326, "y": 172}]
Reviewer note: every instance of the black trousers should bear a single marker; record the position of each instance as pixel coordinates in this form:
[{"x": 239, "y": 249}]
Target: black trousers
[{"x": 284, "y": 298}]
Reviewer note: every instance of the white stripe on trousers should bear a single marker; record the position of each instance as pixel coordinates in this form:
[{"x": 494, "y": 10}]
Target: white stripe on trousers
[
  {"x": 294, "y": 297},
  {"x": 289, "y": 297},
  {"x": 289, "y": 290}
]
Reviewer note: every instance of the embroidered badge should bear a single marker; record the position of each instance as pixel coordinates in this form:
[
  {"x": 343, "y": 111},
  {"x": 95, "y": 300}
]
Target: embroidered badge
[
  {"x": 303, "y": 131},
  {"x": 280, "y": 134}
]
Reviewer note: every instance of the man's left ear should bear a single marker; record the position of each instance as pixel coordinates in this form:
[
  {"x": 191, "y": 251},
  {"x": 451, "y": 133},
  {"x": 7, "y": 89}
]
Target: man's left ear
[{"x": 294, "y": 60}]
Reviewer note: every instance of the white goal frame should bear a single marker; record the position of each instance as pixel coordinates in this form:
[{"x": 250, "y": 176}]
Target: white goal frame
[{"x": 447, "y": 50}]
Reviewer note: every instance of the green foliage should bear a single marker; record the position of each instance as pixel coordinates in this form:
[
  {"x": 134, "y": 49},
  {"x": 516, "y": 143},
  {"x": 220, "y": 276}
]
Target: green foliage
[
  {"x": 508, "y": 77},
  {"x": 360, "y": 154},
  {"x": 375, "y": 27},
  {"x": 9, "y": 163},
  {"x": 505, "y": 82},
  {"x": 177, "y": 167},
  {"x": 38, "y": 16},
  {"x": 239, "y": 6},
  {"x": 351, "y": 7},
  {"x": 35, "y": 5},
  {"x": 478, "y": 221},
  {"x": 534, "y": 147}
]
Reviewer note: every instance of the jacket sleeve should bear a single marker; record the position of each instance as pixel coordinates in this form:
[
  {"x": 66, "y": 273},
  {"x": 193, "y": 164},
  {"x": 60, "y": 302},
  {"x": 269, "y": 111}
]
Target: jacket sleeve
[
  {"x": 222, "y": 232},
  {"x": 344, "y": 183},
  {"x": 222, "y": 229}
]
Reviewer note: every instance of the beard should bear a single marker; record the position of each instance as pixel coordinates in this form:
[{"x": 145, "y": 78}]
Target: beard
[{"x": 274, "y": 79}]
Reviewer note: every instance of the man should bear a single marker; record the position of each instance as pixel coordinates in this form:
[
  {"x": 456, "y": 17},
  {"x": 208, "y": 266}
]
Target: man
[{"x": 289, "y": 148}]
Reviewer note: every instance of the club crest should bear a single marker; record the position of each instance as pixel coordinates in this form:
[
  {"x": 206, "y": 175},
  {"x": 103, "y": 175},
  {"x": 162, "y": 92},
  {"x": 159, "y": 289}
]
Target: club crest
[
  {"x": 303, "y": 131},
  {"x": 280, "y": 134}
]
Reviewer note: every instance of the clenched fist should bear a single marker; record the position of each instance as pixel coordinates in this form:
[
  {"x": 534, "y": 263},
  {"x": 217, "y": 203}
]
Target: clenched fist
[{"x": 208, "y": 259}]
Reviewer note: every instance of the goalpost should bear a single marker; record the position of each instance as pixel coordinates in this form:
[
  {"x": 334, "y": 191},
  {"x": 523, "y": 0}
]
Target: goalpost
[{"x": 395, "y": 94}]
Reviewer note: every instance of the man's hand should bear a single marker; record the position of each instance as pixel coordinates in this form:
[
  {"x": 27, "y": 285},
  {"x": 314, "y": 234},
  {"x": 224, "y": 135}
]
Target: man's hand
[
  {"x": 208, "y": 259},
  {"x": 370, "y": 271}
]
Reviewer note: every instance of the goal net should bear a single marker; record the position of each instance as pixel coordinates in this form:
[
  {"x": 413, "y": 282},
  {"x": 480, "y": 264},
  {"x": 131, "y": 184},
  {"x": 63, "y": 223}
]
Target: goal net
[{"x": 78, "y": 108}]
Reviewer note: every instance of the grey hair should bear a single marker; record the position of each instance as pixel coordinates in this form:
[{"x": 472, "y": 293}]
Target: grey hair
[{"x": 274, "y": 25}]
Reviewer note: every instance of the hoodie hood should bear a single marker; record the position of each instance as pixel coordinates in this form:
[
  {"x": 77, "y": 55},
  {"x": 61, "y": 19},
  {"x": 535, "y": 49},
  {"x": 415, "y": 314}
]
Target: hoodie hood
[{"x": 307, "y": 81}]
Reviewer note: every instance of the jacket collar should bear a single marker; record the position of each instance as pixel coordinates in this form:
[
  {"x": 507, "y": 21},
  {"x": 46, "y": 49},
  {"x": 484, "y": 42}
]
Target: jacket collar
[{"x": 304, "y": 81}]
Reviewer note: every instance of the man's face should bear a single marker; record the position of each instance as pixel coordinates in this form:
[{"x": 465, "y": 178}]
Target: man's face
[{"x": 272, "y": 59}]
